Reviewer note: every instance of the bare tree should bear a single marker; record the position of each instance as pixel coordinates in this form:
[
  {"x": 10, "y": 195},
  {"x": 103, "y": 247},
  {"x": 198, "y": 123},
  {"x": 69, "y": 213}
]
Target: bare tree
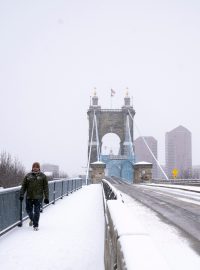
[{"x": 11, "y": 171}]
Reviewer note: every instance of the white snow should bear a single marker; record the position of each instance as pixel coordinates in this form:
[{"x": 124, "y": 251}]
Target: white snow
[
  {"x": 134, "y": 240},
  {"x": 71, "y": 236},
  {"x": 98, "y": 162},
  {"x": 141, "y": 254},
  {"x": 142, "y": 163},
  {"x": 172, "y": 246},
  {"x": 5, "y": 190},
  {"x": 122, "y": 219}
]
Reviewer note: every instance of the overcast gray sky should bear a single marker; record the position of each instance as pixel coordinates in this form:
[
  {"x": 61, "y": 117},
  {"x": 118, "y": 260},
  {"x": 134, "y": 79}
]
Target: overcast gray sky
[{"x": 53, "y": 53}]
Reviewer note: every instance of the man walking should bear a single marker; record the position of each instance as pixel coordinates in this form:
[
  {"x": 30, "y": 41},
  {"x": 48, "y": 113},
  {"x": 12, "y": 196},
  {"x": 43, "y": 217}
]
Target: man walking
[{"x": 35, "y": 185}]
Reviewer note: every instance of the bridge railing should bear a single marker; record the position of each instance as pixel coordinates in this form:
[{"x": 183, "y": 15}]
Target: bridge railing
[
  {"x": 193, "y": 182},
  {"x": 110, "y": 192},
  {"x": 110, "y": 253},
  {"x": 12, "y": 211},
  {"x": 127, "y": 243}
]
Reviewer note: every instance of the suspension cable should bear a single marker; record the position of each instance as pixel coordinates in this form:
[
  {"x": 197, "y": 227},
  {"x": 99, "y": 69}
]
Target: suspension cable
[
  {"x": 97, "y": 138},
  {"x": 129, "y": 134},
  {"x": 91, "y": 140},
  {"x": 149, "y": 149}
]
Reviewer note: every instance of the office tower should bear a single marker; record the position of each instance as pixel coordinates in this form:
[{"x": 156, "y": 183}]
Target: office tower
[
  {"x": 178, "y": 152},
  {"x": 142, "y": 153}
]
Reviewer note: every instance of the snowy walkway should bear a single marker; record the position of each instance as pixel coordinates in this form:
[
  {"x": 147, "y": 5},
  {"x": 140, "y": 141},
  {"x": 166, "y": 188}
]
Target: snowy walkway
[{"x": 71, "y": 236}]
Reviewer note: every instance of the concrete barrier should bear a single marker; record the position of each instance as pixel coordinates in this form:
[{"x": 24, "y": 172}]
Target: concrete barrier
[
  {"x": 138, "y": 252},
  {"x": 127, "y": 244}
]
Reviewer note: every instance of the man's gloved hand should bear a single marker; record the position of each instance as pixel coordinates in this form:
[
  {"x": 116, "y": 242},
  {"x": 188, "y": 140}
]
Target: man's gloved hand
[
  {"x": 21, "y": 198},
  {"x": 46, "y": 201}
]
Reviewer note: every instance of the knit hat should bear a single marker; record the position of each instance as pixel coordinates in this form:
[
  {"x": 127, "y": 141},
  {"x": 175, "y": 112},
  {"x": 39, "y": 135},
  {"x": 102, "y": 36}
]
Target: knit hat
[{"x": 36, "y": 164}]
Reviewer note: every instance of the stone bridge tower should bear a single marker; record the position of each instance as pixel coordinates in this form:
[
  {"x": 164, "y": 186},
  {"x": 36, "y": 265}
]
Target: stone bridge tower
[{"x": 109, "y": 121}]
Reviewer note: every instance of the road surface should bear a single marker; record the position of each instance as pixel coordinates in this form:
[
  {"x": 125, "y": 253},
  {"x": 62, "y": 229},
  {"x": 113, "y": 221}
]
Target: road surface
[{"x": 177, "y": 207}]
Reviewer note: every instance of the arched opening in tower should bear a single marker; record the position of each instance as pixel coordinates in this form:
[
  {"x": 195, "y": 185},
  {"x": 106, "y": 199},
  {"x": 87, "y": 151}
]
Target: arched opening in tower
[{"x": 110, "y": 144}]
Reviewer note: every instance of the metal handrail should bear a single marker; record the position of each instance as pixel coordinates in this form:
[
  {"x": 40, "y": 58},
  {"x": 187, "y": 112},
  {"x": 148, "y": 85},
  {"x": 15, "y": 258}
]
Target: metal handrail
[
  {"x": 12, "y": 210},
  {"x": 176, "y": 181}
]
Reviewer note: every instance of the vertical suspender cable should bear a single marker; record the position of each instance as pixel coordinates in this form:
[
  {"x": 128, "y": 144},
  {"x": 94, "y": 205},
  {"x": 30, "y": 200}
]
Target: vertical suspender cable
[
  {"x": 91, "y": 140},
  {"x": 150, "y": 150},
  {"x": 129, "y": 134},
  {"x": 97, "y": 138}
]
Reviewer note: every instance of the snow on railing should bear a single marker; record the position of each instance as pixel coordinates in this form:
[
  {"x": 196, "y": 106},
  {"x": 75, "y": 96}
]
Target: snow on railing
[
  {"x": 111, "y": 193},
  {"x": 6, "y": 190}
]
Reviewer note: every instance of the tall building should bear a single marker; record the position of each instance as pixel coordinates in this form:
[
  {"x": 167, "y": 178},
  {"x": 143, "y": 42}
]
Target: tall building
[
  {"x": 142, "y": 153},
  {"x": 54, "y": 169},
  {"x": 178, "y": 152}
]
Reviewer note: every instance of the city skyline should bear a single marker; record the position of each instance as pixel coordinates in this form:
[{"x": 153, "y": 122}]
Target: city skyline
[{"x": 144, "y": 153}]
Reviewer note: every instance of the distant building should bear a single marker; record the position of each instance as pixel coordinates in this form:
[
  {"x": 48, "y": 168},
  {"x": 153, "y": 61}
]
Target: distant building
[
  {"x": 178, "y": 152},
  {"x": 196, "y": 172},
  {"x": 142, "y": 153},
  {"x": 50, "y": 168}
]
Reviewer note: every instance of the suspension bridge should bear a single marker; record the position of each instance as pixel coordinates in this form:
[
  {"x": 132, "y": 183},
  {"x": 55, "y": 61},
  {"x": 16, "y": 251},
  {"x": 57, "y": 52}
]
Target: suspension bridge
[{"x": 120, "y": 122}]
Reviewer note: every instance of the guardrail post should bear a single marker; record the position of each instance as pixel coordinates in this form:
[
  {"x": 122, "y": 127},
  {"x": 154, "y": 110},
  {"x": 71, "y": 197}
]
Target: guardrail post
[
  {"x": 62, "y": 190},
  {"x": 72, "y": 186},
  {"x": 20, "y": 215},
  {"x": 67, "y": 188},
  {"x": 75, "y": 184},
  {"x": 54, "y": 192}
]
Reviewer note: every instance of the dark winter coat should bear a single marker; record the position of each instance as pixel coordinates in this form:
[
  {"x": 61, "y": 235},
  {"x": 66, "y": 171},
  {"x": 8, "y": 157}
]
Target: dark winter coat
[{"x": 35, "y": 185}]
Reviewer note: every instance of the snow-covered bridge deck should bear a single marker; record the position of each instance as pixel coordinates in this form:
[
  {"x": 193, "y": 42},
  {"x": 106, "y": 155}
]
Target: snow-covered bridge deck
[{"x": 71, "y": 236}]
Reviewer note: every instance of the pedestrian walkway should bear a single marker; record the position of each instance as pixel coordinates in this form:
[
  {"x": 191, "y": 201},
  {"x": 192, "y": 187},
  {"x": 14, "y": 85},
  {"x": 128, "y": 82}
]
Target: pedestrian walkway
[{"x": 70, "y": 236}]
